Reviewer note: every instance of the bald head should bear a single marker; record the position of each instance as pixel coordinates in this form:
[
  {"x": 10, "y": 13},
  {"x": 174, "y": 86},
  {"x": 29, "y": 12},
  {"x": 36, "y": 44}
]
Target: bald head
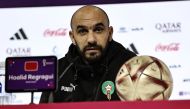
[
  {"x": 90, "y": 32},
  {"x": 89, "y": 12}
]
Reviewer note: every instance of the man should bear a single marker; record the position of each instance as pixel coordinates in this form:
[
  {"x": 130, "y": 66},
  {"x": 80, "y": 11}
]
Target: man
[{"x": 92, "y": 60}]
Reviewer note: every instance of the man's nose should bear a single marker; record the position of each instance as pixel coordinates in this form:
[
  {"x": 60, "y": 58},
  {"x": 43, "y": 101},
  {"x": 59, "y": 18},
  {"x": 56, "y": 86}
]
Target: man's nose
[{"x": 91, "y": 37}]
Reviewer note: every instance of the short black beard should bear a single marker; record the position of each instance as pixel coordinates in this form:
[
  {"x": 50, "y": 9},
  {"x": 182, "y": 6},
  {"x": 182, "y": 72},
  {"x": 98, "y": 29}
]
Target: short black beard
[{"x": 96, "y": 60}]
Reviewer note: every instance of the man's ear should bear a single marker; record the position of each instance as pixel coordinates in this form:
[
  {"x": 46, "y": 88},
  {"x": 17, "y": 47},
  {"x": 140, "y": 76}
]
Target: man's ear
[
  {"x": 110, "y": 33},
  {"x": 72, "y": 37}
]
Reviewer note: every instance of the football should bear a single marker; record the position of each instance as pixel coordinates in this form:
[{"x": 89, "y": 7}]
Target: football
[{"x": 144, "y": 78}]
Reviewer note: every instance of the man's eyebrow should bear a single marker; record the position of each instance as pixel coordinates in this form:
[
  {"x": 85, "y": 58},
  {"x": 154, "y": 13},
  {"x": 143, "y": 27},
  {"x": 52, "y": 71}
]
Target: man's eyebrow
[
  {"x": 80, "y": 26},
  {"x": 99, "y": 24}
]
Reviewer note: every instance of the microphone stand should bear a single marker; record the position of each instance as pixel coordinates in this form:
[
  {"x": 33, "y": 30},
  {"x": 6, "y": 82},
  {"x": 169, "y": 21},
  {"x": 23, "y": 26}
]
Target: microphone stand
[{"x": 32, "y": 98}]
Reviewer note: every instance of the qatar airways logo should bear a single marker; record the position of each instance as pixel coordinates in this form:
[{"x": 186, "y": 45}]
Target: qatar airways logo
[
  {"x": 60, "y": 32},
  {"x": 167, "y": 47},
  {"x": 168, "y": 27},
  {"x": 18, "y": 51}
]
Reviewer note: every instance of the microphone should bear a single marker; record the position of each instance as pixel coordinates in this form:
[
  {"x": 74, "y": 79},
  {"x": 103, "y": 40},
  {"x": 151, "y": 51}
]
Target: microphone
[
  {"x": 50, "y": 95},
  {"x": 68, "y": 67}
]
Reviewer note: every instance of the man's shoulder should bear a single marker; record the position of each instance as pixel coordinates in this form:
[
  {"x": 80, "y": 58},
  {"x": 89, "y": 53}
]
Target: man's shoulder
[
  {"x": 62, "y": 61},
  {"x": 129, "y": 53},
  {"x": 121, "y": 50}
]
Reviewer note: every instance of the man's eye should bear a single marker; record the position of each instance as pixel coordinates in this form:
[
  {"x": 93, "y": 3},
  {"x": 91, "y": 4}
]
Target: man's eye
[
  {"x": 98, "y": 29},
  {"x": 82, "y": 31}
]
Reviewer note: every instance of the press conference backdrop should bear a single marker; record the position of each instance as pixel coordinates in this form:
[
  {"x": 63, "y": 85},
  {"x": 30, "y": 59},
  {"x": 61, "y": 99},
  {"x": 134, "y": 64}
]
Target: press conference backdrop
[{"x": 160, "y": 29}]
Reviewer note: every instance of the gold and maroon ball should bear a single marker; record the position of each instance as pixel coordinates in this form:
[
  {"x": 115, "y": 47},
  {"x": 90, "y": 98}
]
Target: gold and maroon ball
[{"x": 144, "y": 78}]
